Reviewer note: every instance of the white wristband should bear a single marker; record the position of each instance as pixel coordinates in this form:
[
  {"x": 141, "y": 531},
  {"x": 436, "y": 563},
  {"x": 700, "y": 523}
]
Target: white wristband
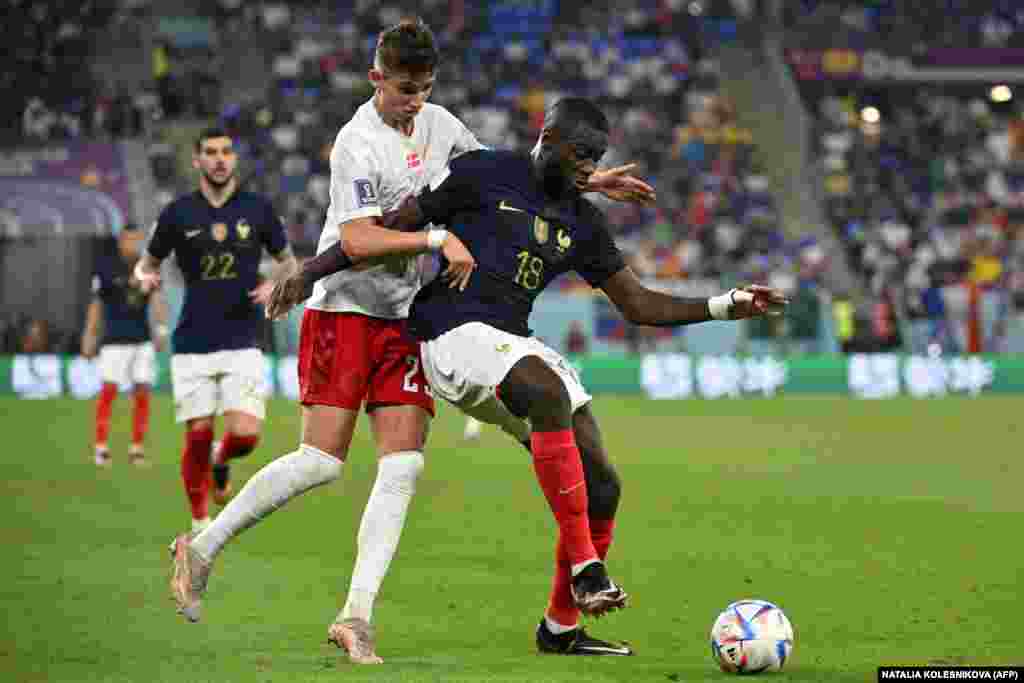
[
  {"x": 721, "y": 306},
  {"x": 436, "y": 238}
]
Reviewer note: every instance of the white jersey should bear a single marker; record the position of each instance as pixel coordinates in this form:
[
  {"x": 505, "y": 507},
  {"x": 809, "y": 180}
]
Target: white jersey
[{"x": 373, "y": 168}]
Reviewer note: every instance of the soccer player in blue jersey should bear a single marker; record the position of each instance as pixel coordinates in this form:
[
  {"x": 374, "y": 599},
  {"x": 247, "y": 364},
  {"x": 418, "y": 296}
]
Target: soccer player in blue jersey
[
  {"x": 525, "y": 221},
  {"x": 218, "y": 235},
  {"x": 127, "y": 355}
]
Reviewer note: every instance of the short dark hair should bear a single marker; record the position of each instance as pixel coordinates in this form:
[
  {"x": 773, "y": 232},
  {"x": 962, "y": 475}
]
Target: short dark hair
[
  {"x": 408, "y": 46},
  {"x": 569, "y": 111},
  {"x": 210, "y": 133}
]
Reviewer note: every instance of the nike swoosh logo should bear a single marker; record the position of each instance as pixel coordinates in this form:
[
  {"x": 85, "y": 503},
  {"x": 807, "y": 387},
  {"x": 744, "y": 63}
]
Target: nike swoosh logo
[
  {"x": 505, "y": 207},
  {"x": 189, "y": 234},
  {"x": 570, "y": 489},
  {"x": 609, "y": 650}
]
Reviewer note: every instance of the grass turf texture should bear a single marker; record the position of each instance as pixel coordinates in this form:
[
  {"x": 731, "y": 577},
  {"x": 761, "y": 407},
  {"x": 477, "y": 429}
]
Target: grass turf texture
[{"x": 888, "y": 531}]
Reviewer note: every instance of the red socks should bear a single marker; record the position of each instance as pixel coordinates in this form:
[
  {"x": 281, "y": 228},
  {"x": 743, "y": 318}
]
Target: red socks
[
  {"x": 556, "y": 461},
  {"x": 140, "y": 416},
  {"x": 195, "y": 470},
  {"x": 236, "y": 446},
  {"x": 104, "y": 406},
  {"x": 561, "y": 607}
]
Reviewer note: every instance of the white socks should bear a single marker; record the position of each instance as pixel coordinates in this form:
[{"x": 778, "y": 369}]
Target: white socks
[
  {"x": 380, "y": 529},
  {"x": 270, "y": 488}
]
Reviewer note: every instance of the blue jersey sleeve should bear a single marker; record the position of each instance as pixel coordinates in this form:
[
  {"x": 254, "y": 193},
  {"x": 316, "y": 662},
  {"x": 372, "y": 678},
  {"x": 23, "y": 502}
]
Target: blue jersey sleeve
[
  {"x": 275, "y": 238},
  {"x": 599, "y": 258},
  {"x": 165, "y": 234},
  {"x": 460, "y": 188}
]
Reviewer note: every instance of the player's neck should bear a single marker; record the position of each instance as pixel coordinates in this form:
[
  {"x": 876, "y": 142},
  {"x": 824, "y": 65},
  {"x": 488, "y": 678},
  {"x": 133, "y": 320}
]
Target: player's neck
[
  {"x": 555, "y": 191},
  {"x": 218, "y": 196},
  {"x": 404, "y": 127}
]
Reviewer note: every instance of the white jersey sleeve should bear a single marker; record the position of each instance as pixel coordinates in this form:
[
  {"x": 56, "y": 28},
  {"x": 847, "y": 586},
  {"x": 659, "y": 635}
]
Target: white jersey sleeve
[{"x": 355, "y": 183}]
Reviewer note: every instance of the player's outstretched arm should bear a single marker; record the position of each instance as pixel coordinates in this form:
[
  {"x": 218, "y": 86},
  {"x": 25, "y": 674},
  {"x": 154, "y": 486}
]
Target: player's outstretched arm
[
  {"x": 618, "y": 184},
  {"x": 644, "y": 306}
]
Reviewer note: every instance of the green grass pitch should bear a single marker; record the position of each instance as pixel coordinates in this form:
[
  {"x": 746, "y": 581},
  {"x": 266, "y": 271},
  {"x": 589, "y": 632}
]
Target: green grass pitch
[{"x": 889, "y": 531}]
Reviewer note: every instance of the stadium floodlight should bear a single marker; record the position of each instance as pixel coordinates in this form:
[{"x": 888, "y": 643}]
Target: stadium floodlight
[
  {"x": 870, "y": 115},
  {"x": 1000, "y": 93}
]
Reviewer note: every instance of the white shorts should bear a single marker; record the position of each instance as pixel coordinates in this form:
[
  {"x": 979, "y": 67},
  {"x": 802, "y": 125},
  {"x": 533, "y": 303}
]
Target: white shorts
[
  {"x": 214, "y": 383},
  {"x": 465, "y": 366},
  {"x": 127, "y": 364}
]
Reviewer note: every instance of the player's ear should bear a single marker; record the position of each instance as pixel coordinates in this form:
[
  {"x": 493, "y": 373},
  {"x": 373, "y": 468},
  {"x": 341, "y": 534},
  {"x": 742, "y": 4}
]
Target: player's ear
[
  {"x": 195, "y": 162},
  {"x": 376, "y": 78}
]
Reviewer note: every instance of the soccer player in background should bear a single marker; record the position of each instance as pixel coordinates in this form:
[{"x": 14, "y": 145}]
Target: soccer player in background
[
  {"x": 127, "y": 353},
  {"x": 527, "y": 222},
  {"x": 218, "y": 234},
  {"x": 354, "y": 346}
]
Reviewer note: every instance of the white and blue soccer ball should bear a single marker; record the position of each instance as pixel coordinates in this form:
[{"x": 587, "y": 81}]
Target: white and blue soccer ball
[{"x": 751, "y": 636}]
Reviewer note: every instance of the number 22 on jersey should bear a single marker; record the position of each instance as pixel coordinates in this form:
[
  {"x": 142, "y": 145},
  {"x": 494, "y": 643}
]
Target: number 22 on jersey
[{"x": 218, "y": 266}]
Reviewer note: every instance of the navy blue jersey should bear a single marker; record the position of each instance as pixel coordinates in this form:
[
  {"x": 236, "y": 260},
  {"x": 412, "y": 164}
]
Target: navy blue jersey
[
  {"x": 218, "y": 250},
  {"x": 125, "y": 308},
  {"x": 521, "y": 242}
]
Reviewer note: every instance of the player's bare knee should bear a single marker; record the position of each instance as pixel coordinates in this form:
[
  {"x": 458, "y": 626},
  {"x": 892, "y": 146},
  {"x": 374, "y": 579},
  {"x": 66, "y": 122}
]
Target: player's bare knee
[
  {"x": 399, "y": 428},
  {"x": 201, "y": 424},
  {"x": 329, "y": 429},
  {"x": 243, "y": 425}
]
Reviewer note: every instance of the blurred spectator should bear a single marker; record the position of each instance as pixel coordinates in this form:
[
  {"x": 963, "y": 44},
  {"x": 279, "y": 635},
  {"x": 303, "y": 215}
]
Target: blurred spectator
[
  {"x": 576, "y": 339},
  {"x": 804, "y": 319},
  {"x": 36, "y": 338}
]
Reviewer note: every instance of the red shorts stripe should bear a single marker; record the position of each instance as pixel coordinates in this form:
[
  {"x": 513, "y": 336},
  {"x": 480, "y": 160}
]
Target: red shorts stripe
[{"x": 346, "y": 358}]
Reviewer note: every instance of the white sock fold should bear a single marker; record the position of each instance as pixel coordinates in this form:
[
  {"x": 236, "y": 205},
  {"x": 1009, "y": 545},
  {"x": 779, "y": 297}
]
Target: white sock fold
[
  {"x": 381, "y": 528},
  {"x": 557, "y": 628},
  {"x": 270, "y": 488}
]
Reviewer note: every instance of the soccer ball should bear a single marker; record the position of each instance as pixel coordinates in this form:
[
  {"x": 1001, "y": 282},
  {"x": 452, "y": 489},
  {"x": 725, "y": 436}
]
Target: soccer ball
[{"x": 751, "y": 636}]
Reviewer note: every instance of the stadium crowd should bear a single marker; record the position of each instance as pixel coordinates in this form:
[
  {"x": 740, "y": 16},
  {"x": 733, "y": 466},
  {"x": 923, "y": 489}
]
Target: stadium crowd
[
  {"x": 934, "y": 236},
  {"x": 925, "y": 184}
]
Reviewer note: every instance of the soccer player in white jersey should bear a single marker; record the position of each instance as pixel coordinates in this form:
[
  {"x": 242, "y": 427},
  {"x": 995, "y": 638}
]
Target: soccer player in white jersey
[{"x": 354, "y": 345}]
